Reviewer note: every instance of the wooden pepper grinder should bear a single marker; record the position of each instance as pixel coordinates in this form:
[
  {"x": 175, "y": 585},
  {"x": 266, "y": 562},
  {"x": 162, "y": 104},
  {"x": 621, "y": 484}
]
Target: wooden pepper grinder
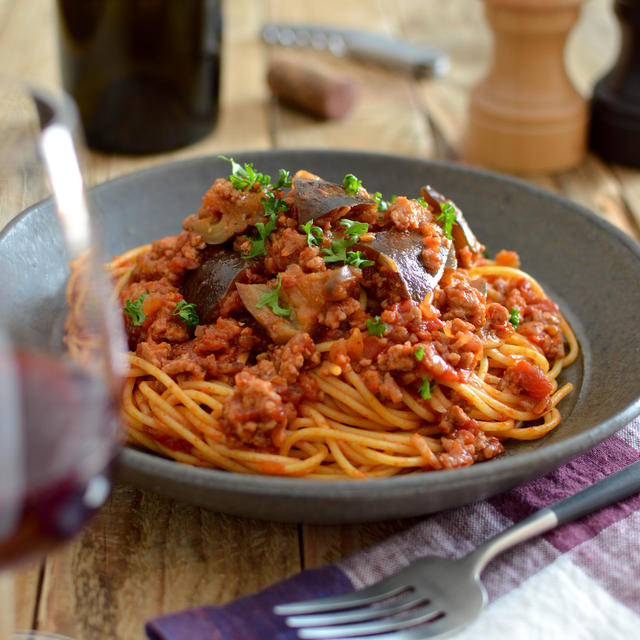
[
  {"x": 526, "y": 116},
  {"x": 615, "y": 106}
]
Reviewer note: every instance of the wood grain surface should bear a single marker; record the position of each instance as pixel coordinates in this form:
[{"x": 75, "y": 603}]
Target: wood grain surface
[{"x": 144, "y": 555}]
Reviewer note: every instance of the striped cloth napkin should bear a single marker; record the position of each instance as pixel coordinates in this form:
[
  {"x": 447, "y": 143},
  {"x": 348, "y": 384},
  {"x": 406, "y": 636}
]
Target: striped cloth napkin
[{"x": 580, "y": 581}]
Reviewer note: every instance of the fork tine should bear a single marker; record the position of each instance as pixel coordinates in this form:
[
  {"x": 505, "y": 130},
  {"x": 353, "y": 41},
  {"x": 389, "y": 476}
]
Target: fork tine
[
  {"x": 391, "y": 586},
  {"x": 429, "y": 631},
  {"x": 359, "y": 614},
  {"x": 423, "y": 614}
]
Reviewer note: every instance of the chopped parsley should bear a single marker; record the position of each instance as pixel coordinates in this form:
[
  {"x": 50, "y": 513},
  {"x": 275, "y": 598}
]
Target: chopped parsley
[
  {"x": 351, "y": 184},
  {"x": 425, "y": 388},
  {"x": 314, "y": 234},
  {"x": 375, "y": 327},
  {"x": 338, "y": 250},
  {"x": 514, "y": 317},
  {"x": 271, "y": 299},
  {"x": 284, "y": 180},
  {"x": 357, "y": 259},
  {"x": 273, "y": 205},
  {"x": 448, "y": 217},
  {"x": 383, "y": 205},
  {"x": 419, "y": 353},
  {"x": 421, "y": 201},
  {"x": 133, "y": 308},
  {"x": 485, "y": 253},
  {"x": 186, "y": 311},
  {"x": 257, "y": 244},
  {"x": 245, "y": 177}
]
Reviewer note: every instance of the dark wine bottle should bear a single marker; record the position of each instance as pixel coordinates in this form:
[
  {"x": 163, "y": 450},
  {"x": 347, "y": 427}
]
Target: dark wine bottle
[{"x": 144, "y": 73}]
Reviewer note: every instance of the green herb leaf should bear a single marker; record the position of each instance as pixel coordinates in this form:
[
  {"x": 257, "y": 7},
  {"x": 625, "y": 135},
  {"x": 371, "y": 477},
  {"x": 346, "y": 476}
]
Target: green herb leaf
[
  {"x": 375, "y": 327},
  {"x": 271, "y": 299},
  {"x": 351, "y": 184},
  {"x": 258, "y": 244},
  {"x": 419, "y": 353},
  {"x": 245, "y": 177},
  {"x": 383, "y": 205},
  {"x": 186, "y": 311},
  {"x": 284, "y": 180},
  {"x": 485, "y": 253},
  {"x": 314, "y": 234},
  {"x": 422, "y": 201},
  {"x": 425, "y": 388},
  {"x": 133, "y": 308},
  {"x": 357, "y": 259},
  {"x": 353, "y": 228},
  {"x": 448, "y": 217},
  {"x": 273, "y": 205},
  {"x": 514, "y": 317}
]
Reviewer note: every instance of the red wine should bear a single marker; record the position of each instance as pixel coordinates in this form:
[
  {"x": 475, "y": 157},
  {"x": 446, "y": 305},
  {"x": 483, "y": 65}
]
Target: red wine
[
  {"x": 144, "y": 73},
  {"x": 58, "y": 441}
]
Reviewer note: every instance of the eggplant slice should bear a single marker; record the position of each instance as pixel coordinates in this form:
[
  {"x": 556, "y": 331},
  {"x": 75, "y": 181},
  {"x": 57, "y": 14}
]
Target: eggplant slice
[
  {"x": 220, "y": 269},
  {"x": 398, "y": 255},
  {"x": 461, "y": 231},
  {"x": 325, "y": 202}
]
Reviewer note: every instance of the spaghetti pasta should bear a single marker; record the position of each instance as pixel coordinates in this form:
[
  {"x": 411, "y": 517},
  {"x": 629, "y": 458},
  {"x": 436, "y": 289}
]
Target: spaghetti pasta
[{"x": 358, "y": 339}]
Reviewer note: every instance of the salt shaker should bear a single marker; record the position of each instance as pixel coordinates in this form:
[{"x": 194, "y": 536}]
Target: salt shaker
[{"x": 526, "y": 116}]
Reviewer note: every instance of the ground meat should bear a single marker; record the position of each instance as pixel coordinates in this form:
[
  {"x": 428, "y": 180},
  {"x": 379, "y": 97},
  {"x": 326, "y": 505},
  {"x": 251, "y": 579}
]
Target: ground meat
[
  {"x": 462, "y": 301},
  {"x": 155, "y": 353},
  {"x": 283, "y": 249},
  {"x": 291, "y": 358},
  {"x": 227, "y": 210},
  {"x": 158, "y": 306},
  {"x": 498, "y": 320},
  {"x": 170, "y": 258},
  {"x": 254, "y": 414},
  {"x": 337, "y": 312},
  {"x": 188, "y": 364},
  {"x": 408, "y": 214},
  {"x": 311, "y": 260},
  {"x": 399, "y": 357},
  {"x": 507, "y": 259}
]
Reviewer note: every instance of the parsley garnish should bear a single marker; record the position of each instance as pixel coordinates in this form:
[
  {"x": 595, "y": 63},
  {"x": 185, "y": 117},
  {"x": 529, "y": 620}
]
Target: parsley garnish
[
  {"x": 419, "y": 353},
  {"x": 314, "y": 234},
  {"x": 425, "y": 388},
  {"x": 246, "y": 177},
  {"x": 422, "y": 201},
  {"x": 272, "y": 207},
  {"x": 514, "y": 317},
  {"x": 383, "y": 205},
  {"x": 357, "y": 259},
  {"x": 448, "y": 217},
  {"x": 133, "y": 308},
  {"x": 375, "y": 327},
  {"x": 186, "y": 311},
  {"x": 338, "y": 250},
  {"x": 284, "y": 180},
  {"x": 351, "y": 184},
  {"x": 485, "y": 253},
  {"x": 271, "y": 299}
]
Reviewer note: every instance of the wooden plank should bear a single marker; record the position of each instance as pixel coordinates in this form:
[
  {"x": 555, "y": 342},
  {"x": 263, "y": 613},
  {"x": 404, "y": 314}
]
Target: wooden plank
[{"x": 144, "y": 555}]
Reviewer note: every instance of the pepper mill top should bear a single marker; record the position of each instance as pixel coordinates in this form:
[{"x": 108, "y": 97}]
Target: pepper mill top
[
  {"x": 615, "y": 106},
  {"x": 526, "y": 116}
]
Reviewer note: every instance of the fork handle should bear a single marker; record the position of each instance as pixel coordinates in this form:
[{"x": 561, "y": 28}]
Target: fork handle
[{"x": 615, "y": 487}]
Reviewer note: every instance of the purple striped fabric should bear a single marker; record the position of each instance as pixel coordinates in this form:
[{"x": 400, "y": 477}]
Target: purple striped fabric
[{"x": 605, "y": 546}]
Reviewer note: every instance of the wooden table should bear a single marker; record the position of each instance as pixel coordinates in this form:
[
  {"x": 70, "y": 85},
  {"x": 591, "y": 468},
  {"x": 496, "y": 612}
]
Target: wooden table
[{"x": 145, "y": 555}]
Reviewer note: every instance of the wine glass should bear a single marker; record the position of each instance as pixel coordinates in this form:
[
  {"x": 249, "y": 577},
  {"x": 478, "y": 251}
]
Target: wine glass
[{"x": 59, "y": 354}]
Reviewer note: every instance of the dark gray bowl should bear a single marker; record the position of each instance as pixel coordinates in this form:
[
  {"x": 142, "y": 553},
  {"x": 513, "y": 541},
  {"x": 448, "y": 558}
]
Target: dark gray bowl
[{"x": 588, "y": 266}]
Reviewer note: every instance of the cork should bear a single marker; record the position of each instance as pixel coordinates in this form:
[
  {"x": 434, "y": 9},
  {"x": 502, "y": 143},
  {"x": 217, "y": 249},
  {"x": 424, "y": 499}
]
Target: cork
[
  {"x": 526, "y": 116},
  {"x": 311, "y": 86}
]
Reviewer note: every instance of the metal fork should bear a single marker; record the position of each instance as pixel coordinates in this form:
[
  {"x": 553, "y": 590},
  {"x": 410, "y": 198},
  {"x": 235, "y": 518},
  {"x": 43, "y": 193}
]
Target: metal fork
[{"x": 436, "y": 597}]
